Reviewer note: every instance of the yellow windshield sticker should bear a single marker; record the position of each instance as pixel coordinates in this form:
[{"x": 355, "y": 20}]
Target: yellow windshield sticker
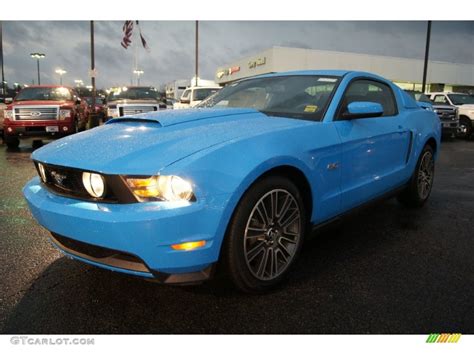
[{"x": 310, "y": 108}]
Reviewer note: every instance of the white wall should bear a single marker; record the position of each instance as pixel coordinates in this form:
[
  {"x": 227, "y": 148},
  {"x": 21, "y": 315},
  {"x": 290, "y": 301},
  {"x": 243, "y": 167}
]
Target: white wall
[{"x": 393, "y": 68}]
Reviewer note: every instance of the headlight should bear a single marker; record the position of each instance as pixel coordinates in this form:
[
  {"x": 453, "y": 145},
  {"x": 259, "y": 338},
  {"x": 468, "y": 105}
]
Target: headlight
[
  {"x": 112, "y": 111},
  {"x": 8, "y": 114},
  {"x": 42, "y": 172},
  {"x": 161, "y": 188},
  {"x": 63, "y": 114},
  {"x": 94, "y": 184}
]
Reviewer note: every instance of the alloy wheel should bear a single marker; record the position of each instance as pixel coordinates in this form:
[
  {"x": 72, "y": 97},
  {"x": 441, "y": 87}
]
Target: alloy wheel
[
  {"x": 425, "y": 175},
  {"x": 272, "y": 234}
]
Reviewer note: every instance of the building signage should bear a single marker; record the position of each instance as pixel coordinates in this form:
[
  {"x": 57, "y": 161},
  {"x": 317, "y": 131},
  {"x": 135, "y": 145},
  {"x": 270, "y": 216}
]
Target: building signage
[
  {"x": 227, "y": 72},
  {"x": 257, "y": 62}
]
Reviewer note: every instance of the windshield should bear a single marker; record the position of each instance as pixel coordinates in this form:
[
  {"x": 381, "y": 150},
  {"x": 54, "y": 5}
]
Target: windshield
[
  {"x": 461, "y": 99},
  {"x": 201, "y": 94},
  {"x": 98, "y": 100},
  {"x": 134, "y": 93},
  {"x": 301, "y": 96},
  {"x": 419, "y": 96},
  {"x": 44, "y": 94}
]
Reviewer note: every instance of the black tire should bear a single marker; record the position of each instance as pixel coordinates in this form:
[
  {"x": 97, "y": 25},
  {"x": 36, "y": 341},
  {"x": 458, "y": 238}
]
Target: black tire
[
  {"x": 274, "y": 242},
  {"x": 12, "y": 142},
  {"x": 419, "y": 187},
  {"x": 466, "y": 122}
]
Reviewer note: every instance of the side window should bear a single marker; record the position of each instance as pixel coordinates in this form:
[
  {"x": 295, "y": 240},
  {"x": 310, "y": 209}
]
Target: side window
[
  {"x": 372, "y": 91},
  {"x": 440, "y": 99}
]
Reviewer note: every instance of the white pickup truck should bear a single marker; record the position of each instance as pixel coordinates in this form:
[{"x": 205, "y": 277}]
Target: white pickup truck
[
  {"x": 465, "y": 105},
  {"x": 194, "y": 95}
]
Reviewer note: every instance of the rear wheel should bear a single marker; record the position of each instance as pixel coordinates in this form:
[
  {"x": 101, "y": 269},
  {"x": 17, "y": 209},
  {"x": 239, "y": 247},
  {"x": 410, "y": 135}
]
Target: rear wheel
[
  {"x": 265, "y": 235},
  {"x": 421, "y": 182},
  {"x": 12, "y": 142}
]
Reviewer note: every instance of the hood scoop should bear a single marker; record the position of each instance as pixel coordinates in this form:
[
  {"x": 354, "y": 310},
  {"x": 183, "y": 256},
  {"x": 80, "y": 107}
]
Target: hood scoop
[{"x": 174, "y": 117}]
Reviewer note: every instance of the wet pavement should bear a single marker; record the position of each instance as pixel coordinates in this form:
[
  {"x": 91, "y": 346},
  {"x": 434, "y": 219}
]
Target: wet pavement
[{"x": 384, "y": 270}]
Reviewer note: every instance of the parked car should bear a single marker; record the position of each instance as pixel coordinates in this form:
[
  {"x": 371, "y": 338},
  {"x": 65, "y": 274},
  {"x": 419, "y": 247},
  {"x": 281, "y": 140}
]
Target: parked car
[
  {"x": 99, "y": 107},
  {"x": 44, "y": 111},
  {"x": 446, "y": 113},
  {"x": 240, "y": 181},
  {"x": 194, "y": 95},
  {"x": 129, "y": 100},
  {"x": 3, "y": 107},
  {"x": 465, "y": 106}
]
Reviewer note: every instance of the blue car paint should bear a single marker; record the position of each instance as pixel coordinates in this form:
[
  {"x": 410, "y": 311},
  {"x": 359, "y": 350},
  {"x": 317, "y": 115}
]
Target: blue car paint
[
  {"x": 365, "y": 107},
  {"x": 222, "y": 152}
]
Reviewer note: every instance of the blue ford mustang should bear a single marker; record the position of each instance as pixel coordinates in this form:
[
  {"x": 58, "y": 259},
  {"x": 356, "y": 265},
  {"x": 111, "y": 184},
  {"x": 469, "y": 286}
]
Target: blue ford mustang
[{"x": 238, "y": 181}]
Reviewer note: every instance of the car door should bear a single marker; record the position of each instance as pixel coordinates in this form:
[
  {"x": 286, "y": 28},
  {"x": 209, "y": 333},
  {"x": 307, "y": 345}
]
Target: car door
[{"x": 374, "y": 150}]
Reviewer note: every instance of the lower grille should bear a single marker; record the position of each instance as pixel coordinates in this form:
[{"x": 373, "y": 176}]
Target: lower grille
[
  {"x": 99, "y": 254},
  {"x": 36, "y": 113}
]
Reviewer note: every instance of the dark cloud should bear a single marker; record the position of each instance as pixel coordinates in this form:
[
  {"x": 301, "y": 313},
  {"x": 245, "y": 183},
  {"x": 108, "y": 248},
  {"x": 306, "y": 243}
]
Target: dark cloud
[{"x": 66, "y": 44}]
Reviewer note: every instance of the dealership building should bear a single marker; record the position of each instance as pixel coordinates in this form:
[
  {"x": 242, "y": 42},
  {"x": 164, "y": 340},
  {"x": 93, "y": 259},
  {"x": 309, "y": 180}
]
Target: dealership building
[{"x": 407, "y": 73}]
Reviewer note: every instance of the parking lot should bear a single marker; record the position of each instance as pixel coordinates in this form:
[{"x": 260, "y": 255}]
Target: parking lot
[{"x": 384, "y": 270}]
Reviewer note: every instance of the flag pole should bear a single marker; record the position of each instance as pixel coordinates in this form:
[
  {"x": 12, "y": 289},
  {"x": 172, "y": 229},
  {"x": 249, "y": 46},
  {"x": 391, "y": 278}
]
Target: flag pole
[
  {"x": 93, "y": 118},
  {"x": 197, "y": 51}
]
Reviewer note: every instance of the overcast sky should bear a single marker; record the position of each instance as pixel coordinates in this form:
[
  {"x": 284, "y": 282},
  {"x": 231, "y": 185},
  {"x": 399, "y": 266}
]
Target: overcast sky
[{"x": 67, "y": 46}]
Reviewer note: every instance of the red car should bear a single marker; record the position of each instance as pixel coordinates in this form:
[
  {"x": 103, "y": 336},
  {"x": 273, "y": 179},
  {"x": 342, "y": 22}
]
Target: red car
[
  {"x": 99, "y": 108},
  {"x": 44, "y": 111}
]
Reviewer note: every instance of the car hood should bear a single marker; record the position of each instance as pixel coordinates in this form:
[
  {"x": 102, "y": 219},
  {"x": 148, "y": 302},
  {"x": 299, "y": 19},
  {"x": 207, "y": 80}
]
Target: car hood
[
  {"x": 466, "y": 107},
  {"x": 144, "y": 144},
  {"x": 134, "y": 102},
  {"x": 42, "y": 103}
]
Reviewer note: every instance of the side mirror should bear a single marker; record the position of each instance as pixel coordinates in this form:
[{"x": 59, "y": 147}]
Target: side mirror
[
  {"x": 185, "y": 101},
  {"x": 8, "y": 100},
  {"x": 363, "y": 109}
]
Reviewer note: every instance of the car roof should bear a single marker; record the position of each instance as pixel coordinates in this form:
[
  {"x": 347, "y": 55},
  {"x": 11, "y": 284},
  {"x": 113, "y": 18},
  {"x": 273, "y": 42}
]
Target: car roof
[
  {"x": 336, "y": 73},
  {"x": 48, "y": 86}
]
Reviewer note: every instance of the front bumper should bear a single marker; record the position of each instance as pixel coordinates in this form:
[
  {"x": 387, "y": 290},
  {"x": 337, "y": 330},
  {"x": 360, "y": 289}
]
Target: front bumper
[
  {"x": 449, "y": 127},
  {"x": 144, "y": 231},
  {"x": 64, "y": 128}
]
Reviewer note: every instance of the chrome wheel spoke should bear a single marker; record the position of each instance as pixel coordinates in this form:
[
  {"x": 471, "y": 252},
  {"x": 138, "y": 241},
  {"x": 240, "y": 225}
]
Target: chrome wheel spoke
[{"x": 255, "y": 251}]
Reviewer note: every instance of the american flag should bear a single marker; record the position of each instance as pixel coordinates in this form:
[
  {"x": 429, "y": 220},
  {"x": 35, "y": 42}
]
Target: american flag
[{"x": 128, "y": 32}]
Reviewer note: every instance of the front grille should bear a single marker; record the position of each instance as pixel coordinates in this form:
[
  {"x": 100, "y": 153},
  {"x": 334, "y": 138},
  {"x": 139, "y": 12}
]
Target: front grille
[
  {"x": 68, "y": 182},
  {"x": 135, "y": 109},
  {"x": 36, "y": 113},
  {"x": 446, "y": 114}
]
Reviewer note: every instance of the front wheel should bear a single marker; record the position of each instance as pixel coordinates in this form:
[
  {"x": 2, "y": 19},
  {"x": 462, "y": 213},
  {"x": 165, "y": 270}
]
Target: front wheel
[
  {"x": 12, "y": 142},
  {"x": 265, "y": 235},
  {"x": 421, "y": 182}
]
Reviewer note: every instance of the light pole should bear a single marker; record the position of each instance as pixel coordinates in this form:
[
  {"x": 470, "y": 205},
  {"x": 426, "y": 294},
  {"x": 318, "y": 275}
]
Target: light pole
[
  {"x": 61, "y": 72},
  {"x": 427, "y": 53},
  {"x": 138, "y": 72},
  {"x": 38, "y": 56}
]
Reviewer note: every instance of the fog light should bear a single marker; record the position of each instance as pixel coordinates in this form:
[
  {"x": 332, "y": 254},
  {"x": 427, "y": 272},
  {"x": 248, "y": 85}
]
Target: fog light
[
  {"x": 10, "y": 130},
  {"x": 189, "y": 245},
  {"x": 94, "y": 184},
  {"x": 65, "y": 128}
]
